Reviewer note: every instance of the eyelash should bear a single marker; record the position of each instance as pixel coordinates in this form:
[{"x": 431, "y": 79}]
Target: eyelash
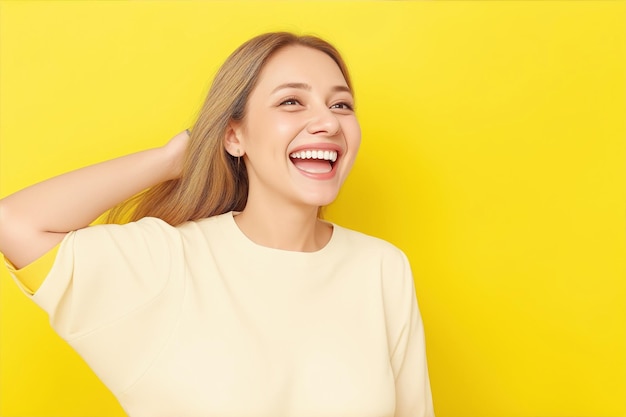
[
  {"x": 288, "y": 99},
  {"x": 294, "y": 99},
  {"x": 343, "y": 103}
]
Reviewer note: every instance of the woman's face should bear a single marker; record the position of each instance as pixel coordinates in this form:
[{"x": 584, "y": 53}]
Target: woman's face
[{"x": 300, "y": 135}]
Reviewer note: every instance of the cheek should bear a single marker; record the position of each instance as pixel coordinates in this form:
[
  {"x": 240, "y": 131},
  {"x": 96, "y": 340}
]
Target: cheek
[
  {"x": 273, "y": 128},
  {"x": 353, "y": 134},
  {"x": 260, "y": 131},
  {"x": 286, "y": 125}
]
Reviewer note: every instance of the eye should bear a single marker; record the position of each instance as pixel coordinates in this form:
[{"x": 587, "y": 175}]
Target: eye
[
  {"x": 342, "y": 106},
  {"x": 290, "y": 101}
]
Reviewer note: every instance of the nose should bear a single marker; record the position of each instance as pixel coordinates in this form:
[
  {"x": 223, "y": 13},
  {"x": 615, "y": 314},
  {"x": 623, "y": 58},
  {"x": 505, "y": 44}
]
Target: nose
[{"x": 324, "y": 122}]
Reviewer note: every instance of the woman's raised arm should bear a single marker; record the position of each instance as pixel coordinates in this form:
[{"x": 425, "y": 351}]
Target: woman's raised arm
[{"x": 35, "y": 219}]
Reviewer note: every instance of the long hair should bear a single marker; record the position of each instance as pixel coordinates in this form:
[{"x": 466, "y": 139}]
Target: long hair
[{"x": 212, "y": 181}]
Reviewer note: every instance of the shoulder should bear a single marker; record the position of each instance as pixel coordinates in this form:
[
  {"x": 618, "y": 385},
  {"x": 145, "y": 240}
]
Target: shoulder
[
  {"x": 382, "y": 260},
  {"x": 149, "y": 239},
  {"x": 205, "y": 229},
  {"x": 370, "y": 245},
  {"x": 146, "y": 225},
  {"x": 150, "y": 236}
]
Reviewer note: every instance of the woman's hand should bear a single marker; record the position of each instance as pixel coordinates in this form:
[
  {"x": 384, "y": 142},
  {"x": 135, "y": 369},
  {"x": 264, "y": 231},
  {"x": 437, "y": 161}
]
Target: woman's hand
[{"x": 175, "y": 149}]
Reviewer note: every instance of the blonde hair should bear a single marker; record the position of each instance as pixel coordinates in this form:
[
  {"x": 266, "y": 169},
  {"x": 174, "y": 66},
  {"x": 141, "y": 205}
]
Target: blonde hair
[{"x": 212, "y": 181}]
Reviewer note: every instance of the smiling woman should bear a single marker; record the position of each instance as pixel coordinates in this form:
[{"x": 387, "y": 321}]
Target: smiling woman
[
  {"x": 286, "y": 123},
  {"x": 226, "y": 294}
]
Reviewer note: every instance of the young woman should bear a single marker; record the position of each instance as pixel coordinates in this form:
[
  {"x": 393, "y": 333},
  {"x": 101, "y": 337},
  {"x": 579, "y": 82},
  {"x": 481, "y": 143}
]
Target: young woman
[{"x": 227, "y": 295}]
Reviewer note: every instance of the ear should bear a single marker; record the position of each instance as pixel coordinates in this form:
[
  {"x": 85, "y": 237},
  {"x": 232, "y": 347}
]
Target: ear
[{"x": 232, "y": 140}]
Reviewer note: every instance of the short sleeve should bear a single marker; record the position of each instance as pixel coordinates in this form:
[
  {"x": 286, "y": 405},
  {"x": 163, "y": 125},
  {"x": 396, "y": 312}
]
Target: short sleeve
[
  {"x": 32, "y": 275},
  {"x": 105, "y": 272},
  {"x": 405, "y": 333}
]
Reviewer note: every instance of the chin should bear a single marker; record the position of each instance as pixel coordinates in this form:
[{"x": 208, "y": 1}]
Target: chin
[{"x": 320, "y": 199}]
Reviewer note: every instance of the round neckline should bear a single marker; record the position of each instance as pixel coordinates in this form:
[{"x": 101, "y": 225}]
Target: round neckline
[{"x": 241, "y": 238}]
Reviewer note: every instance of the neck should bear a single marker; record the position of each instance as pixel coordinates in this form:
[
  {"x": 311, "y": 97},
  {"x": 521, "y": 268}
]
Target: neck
[{"x": 287, "y": 228}]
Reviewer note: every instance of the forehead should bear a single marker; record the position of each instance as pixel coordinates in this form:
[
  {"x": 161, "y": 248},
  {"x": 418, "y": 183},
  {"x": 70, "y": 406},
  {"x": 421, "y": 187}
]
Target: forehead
[{"x": 300, "y": 64}]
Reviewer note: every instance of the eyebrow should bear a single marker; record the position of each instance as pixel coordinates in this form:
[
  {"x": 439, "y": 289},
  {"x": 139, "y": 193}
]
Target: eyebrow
[{"x": 307, "y": 87}]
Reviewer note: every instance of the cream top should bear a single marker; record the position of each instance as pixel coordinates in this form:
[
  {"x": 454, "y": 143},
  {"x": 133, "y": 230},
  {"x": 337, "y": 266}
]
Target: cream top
[{"x": 197, "y": 320}]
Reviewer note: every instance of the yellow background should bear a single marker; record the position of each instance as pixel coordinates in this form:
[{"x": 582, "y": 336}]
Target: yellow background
[{"x": 493, "y": 154}]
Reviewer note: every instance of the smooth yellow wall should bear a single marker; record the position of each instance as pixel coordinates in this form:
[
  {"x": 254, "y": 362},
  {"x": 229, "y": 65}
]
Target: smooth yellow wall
[{"x": 493, "y": 154}]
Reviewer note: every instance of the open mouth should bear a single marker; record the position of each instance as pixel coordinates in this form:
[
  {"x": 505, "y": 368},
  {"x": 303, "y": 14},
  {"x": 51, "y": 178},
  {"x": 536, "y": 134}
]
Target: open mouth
[{"x": 314, "y": 161}]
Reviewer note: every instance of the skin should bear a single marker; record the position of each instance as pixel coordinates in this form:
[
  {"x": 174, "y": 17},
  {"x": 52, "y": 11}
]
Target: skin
[{"x": 301, "y": 101}]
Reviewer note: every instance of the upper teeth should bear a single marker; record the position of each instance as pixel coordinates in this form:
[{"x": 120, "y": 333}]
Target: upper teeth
[{"x": 318, "y": 154}]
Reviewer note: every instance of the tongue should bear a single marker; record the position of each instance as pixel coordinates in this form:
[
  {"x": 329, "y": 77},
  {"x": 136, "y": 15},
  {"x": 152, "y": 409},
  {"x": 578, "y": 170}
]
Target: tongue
[{"x": 313, "y": 166}]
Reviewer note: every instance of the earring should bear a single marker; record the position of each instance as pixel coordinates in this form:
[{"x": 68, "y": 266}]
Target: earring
[{"x": 238, "y": 158}]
